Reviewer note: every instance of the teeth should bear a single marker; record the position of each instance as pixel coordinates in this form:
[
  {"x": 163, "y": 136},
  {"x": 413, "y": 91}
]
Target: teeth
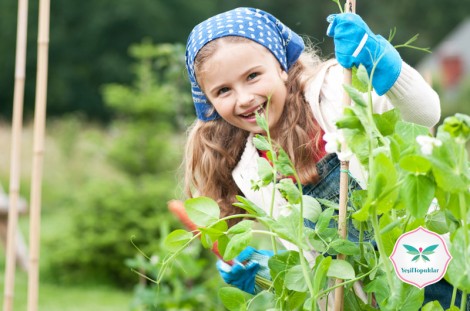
[{"x": 259, "y": 110}]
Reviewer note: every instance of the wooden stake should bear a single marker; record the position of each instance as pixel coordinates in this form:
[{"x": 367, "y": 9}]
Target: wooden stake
[
  {"x": 15, "y": 167},
  {"x": 38, "y": 150},
  {"x": 350, "y": 6}
]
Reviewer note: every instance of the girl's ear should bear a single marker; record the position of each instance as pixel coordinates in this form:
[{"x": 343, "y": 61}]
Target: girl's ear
[{"x": 284, "y": 76}]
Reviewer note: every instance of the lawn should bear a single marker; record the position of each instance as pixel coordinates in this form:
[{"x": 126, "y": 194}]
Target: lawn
[{"x": 53, "y": 297}]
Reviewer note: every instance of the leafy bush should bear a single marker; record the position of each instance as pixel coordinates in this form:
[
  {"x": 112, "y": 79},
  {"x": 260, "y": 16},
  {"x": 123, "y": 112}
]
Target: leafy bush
[{"x": 108, "y": 213}]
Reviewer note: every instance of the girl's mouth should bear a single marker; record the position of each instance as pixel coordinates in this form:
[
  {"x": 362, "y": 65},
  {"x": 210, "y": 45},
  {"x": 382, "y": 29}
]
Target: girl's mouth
[{"x": 252, "y": 115}]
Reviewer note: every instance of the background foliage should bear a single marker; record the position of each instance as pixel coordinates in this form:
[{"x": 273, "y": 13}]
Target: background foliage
[{"x": 89, "y": 40}]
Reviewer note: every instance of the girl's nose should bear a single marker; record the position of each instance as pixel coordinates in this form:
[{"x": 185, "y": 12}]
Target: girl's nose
[{"x": 245, "y": 98}]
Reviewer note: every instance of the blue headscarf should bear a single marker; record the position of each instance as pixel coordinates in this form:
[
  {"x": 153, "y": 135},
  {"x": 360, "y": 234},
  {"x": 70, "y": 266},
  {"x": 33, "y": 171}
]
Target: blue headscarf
[{"x": 253, "y": 24}]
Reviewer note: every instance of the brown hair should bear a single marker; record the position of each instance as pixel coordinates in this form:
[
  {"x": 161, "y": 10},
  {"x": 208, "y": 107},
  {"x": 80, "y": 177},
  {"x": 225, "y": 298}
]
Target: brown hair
[{"x": 214, "y": 148}]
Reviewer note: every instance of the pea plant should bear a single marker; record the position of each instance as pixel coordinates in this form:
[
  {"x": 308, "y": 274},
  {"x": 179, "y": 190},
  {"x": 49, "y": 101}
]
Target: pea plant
[{"x": 408, "y": 171}]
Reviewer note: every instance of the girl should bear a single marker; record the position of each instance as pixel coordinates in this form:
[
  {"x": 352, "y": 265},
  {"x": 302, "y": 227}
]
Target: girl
[{"x": 240, "y": 59}]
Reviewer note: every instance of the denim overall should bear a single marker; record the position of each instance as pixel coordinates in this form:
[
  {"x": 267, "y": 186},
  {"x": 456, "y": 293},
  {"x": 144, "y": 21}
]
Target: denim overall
[{"x": 328, "y": 188}]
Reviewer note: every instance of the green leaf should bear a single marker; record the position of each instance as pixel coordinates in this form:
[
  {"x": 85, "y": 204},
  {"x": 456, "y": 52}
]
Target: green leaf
[
  {"x": 383, "y": 191},
  {"x": 289, "y": 190},
  {"x": 284, "y": 164},
  {"x": 265, "y": 171},
  {"x": 288, "y": 227},
  {"x": 312, "y": 208},
  {"x": 177, "y": 239},
  {"x": 459, "y": 267},
  {"x": 409, "y": 131},
  {"x": 241, "y": 227},
  {"x": 387, "y": 121},
  {"x": 262, "y": 302},
  {"x": 458, "y": 126},
  {"x": 390, "y": 236},
  {"x": 355, "y": 95},
  {"x": 294, "y": 300},
  {"x": 360, "y": 78},
  {"x": 324, "y": 220},
  {"x": 346, "y": 247},
  {"x": 411, "y": 298},
  {"x": 349, "y": 122},
  {"x": 261, "y": 121},
  {"x": 321, "y": 268},
  {"x": 417, "y": 194},
  {"x": 249, "y": 206},
  {"x": 222, "y": 243},
  {"x": 281, "y": 262},
  {"x": 261, "y": 142},
  {"x": 237, "y": 244},
  {"x": 415, "y": 164},
  {"x": 215, "y": 230},
  {"x": 437, "y": 222},
  {"x": 233, "y": 298},
  {"x": 341, "y": 269},
  {"x": 202, "y": 211},
  {"x": 294, "y": 279},
  {"x": 278, "y": 266},
  {"x": 447, "y": 178},
  {"x": 433, "y": 306}
]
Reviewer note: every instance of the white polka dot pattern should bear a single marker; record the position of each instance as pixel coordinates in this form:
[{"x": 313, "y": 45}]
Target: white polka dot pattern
[{"x": 250, "y": 23}]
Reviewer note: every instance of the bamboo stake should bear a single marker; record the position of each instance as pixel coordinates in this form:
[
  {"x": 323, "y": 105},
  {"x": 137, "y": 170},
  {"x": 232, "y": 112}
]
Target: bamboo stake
[
  {"x": 350, "y": 6},
  {"x": 38, "y": 150},
  {"x": 15, "y": 167}
]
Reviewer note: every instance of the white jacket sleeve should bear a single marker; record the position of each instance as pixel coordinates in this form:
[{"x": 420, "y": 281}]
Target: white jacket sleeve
[
  {"x": 411, "y": 94},
  {"x": 416, "y": 100}
]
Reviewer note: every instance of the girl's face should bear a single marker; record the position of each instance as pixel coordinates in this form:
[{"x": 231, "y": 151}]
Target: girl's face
[{"x": 239, "y": 78}]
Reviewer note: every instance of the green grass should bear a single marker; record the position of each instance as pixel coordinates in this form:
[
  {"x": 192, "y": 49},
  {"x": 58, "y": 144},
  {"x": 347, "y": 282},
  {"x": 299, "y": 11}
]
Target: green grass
[{"x": 53, "y": 297}]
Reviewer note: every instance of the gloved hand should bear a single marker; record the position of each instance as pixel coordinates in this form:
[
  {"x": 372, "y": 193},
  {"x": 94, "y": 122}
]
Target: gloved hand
[
  {"x": 242, "y": 274},
  {"x": 356, "y": 44}
]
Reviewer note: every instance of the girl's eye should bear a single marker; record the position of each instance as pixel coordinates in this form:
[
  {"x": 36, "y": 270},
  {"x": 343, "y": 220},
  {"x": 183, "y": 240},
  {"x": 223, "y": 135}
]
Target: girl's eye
[
  {"x": 253, "y": 75},
  {"x": 223, "y": 90}
]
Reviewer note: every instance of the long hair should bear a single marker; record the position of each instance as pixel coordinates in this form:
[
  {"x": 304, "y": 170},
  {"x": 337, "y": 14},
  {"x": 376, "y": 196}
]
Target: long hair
[{"x": 214, "y": 148}]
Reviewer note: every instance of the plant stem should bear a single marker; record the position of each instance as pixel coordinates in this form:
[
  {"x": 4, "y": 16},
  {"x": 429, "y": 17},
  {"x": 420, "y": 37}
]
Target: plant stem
[
  {"x": 463, "y": 215},
  {"x": 273, "y": 154},
  {"x": 380, "y": 246},
  {"x": 454, "y": 295},
  {"x": 326, "y": 291}
]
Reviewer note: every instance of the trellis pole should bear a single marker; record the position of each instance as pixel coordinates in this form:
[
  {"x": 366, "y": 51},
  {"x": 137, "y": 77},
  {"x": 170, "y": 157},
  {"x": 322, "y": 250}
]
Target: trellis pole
[
  {"x": 38, "y": 150},
  {"x": 15, "y": 168},
  {"x": 350, "y": 7}
]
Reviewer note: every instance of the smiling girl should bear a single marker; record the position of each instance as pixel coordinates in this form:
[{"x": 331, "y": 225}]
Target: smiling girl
[{"x": 240, "y": 60}]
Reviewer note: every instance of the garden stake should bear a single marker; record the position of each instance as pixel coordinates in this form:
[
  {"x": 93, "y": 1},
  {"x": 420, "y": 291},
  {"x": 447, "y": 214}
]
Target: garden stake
[
  {"x": 38, "y": 149},
  {"x": 350, "y": 7},
  {"x": 15, "y": 166}
]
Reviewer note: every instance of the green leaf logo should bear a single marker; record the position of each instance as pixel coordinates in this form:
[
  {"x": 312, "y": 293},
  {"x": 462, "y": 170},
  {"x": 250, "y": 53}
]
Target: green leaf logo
[{"x": 420, "y": 252}]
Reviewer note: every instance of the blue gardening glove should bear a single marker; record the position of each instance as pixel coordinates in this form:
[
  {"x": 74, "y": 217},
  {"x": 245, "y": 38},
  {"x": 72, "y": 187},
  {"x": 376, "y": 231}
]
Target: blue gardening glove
[
  {"x": 356, "y": 44},
  {"x": 242, "y": 274}
]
